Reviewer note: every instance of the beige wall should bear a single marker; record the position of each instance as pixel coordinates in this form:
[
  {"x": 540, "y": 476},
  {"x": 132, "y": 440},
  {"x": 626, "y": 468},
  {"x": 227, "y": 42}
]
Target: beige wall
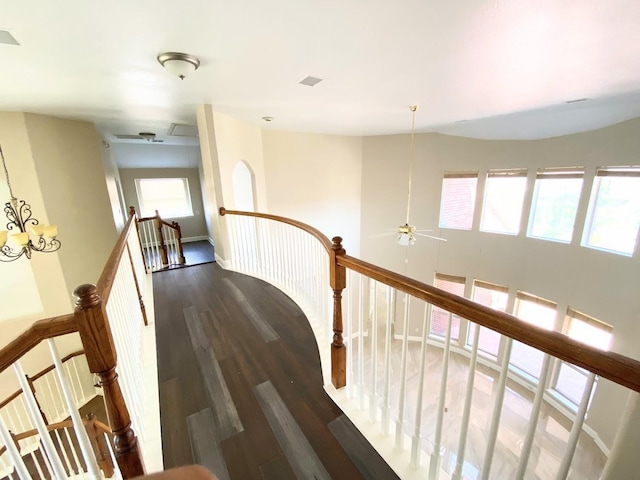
[
  {"x": 316, "y": 179},
  {"x": 55, "y": 166},
  {"x": 192, "y": 227},
  {"x": 72, "y": 180},
  {"x": 600, "y": 284}
]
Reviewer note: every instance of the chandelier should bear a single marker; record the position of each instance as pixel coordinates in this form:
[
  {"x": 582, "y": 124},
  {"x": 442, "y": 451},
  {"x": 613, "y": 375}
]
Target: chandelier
[{"x": 24, "y": 233}]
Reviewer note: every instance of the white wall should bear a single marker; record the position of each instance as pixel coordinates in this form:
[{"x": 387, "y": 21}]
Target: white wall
[
  {"x": 316, "y": 179},
  {"x": 114, "y": 187},
  {"x": 600, "y": 284}
]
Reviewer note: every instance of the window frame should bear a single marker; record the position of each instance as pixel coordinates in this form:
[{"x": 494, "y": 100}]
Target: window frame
[
  {"x": 459, "y": 281},
  {"x": 468, "y": 342},
  {"x": 503, "y": 173},
  {"x": 554, "y": 173},
  {"x": 459, "y": 175},
  {"x": 148, "y": 212},
  {"x": 602, "y": 172},
  {"x": 570, "y": 316}
]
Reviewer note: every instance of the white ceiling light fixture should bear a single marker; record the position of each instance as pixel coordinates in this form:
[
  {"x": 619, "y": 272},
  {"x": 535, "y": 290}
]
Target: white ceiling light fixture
[{"x": 179, "y": 64}]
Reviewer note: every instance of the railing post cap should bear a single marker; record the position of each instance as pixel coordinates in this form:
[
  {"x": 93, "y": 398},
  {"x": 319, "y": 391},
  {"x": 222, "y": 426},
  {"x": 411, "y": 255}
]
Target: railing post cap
[
  {"x": 222, "y": 211},
  {"x": 337, "y": 245},
  {"x": 86, "y": 295}
]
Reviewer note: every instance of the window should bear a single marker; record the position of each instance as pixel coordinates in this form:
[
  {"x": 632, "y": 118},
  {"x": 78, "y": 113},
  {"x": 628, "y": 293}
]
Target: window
[
  {"x": 570, "y": 380},
  {"x": 536, "y": 311},
  {"x": 458, "y": 200},
  {"x": 503, "y": 197},
  {"x": 496, "y": 297},
  {"x": 440, "y": 317},
  {"x": 614, "y": 214},
  {"x": 170, "y": 196},
  {"x": 555, "y": 203}
]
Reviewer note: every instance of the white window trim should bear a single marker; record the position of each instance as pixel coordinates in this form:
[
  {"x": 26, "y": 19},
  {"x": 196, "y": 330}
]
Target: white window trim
[{"x": 144, "y": 210}]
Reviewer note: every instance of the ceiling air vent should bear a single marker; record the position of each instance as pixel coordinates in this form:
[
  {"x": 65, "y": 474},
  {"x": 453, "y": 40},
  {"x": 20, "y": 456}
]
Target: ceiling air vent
[
  {"x": 310, "y": 81},
  {"x": 7, "y": 38},
  {"x": 126, "y": 136},
  {"x": 182, "y": 130}
]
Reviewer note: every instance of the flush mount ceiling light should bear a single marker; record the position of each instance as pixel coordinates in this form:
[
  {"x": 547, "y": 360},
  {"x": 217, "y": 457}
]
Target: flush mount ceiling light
[
  {"x": 267, "y": 119},
  {"x": 179, "y": 64}
]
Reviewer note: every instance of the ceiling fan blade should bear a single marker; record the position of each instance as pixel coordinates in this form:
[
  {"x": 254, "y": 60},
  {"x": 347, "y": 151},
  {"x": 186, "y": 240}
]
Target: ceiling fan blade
[{"x": 431, "y": 236}]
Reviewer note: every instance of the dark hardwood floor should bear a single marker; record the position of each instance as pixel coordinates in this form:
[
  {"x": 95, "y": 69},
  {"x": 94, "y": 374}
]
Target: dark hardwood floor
[
  {"x": 198, "y": 252},
  {"x": 241, "y": 387}
]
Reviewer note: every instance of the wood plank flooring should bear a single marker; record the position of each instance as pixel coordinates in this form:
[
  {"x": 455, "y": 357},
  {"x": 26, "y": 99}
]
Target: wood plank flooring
[{"x": 241, "y": 386}]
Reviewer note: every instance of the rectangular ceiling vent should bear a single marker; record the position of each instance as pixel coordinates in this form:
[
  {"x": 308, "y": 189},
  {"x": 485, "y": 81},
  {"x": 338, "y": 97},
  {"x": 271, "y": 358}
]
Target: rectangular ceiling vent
[
  {"x": 7, "y": 38},
  {"x": 181, "y": 130},
  {"x": 124, "y": 136},
  {"x": 310, "y": 81}
]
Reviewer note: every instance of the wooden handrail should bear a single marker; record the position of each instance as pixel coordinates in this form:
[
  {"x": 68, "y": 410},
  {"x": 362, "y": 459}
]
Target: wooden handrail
[
  {"x": 40, "y": 330},
  {"x": 64, "y": 359},
  {"x": 17, "y": 393},
  {"x": 613, "y": 366},
  {"x": 321, "y": 237},
  {"x": 105, "y": 282}
]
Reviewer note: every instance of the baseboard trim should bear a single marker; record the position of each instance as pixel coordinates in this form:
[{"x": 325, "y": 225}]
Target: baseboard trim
[
  {"x": 221, "y": 261},
  {"x": 197, "y": 238}
]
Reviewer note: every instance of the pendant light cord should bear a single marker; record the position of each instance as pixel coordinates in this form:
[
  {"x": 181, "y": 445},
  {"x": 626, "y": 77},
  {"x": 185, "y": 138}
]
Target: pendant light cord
[
  {"x": 6, "y": 173},
  {"x": 413, "y": 128}
]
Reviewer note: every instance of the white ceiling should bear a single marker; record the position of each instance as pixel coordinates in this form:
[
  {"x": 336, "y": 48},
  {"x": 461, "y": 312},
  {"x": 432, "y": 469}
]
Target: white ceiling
[{"x": 512, "y": 63}]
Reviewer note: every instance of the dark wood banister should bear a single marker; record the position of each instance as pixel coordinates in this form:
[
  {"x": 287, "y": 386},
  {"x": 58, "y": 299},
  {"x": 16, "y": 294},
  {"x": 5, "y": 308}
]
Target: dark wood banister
[
  {"x": 40, "y": 330},
  {"x": 613, "y": 366},
  {"x": 158, "y": 222},
  {"x": 105, "y": 282},
  {"x": 321, "y": 237}
]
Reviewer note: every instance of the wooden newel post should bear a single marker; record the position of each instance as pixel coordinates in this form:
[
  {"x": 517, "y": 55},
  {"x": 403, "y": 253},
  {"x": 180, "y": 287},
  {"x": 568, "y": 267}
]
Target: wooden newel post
[
  {"x": 100, "y": 351},
  {"x": 176, "y": 226},
  {"x": 163, "y": 247},
  {"x": 338, "y": 279}
]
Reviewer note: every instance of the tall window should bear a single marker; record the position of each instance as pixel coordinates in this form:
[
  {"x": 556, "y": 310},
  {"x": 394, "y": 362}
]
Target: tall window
[
  {"x": 503, "y": 198},
  {"x": 536, "y": 311},
  {"x": 570, "y": 380},
  {"x": 440, "y": 317},
  {"x": 458, "y": 200},
  {"x": 493, "y": 296},
  {"x": 170, "y": 196},
  {"x": 555, "y": 202},
  {"x": 614, "y": 213}
]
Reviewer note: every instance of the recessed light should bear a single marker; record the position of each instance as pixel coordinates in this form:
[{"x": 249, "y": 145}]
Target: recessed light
[
  {"x": 310, "y": 81},
  {"x": 577, "y": 100},
  {"x": 267, "y": 119}
]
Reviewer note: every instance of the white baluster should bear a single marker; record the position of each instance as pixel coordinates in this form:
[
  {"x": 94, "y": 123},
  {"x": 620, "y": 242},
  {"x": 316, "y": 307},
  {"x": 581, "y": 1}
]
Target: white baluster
[
  {"x": 403, "y": 375},
  {"x": 372, "y": 338},
  {"x": 386, "y": 405},
  {"x": 497, "y": 410},
  {"x": 81, "y": 433},
  {"x": 74, "y": 453},
  {"x": 361, "y": 314},
  {"x": 15, "y": 456},
  {"x": 349, "y": 338},
  {"x": 466, "y": 414},
  {"x": 417, "y": 426},
  {"x": 65, "y": 456},
  {"x": 434, "y": 465},
  {"x": 533, "y": 418},
  {"x": 36, "y": 418},
  {"x": 34, "y": 458},
  {"x": 572, "y": 442}
]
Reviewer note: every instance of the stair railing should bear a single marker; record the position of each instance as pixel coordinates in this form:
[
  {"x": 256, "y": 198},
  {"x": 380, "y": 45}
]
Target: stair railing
[
  {"x": 372, "y": 357},
  {"x": 109, "y": 317},
  {"x": 161, "y": 242}
]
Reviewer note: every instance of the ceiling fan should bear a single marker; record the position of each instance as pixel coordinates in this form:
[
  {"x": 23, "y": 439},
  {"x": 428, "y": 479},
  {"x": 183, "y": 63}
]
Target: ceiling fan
[{"x": 407, "y": 233}]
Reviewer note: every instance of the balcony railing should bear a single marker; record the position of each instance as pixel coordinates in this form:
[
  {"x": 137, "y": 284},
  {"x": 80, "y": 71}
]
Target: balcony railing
[{"x": 399, "y": 379}]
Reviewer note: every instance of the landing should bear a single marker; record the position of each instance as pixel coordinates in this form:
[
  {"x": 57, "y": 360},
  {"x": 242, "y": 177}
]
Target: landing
[{"x": 241, "y": 387}]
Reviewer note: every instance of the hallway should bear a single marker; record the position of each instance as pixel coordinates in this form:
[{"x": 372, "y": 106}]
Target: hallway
[{"x": 240, "y": 383}]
